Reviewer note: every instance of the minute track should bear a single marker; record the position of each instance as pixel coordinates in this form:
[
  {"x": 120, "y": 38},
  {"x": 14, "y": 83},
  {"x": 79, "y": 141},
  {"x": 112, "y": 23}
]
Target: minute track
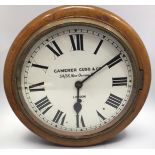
[
  {"x": 109, "y": 100},
  {"x": 76, "y": 120}
]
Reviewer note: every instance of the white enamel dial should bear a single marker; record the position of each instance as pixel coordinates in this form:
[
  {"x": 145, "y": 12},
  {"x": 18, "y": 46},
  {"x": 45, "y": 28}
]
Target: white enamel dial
[{"x": 69, "y": 54}]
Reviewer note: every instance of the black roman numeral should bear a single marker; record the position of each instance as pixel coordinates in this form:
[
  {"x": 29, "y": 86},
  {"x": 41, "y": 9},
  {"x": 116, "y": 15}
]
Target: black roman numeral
[
  {"x": 114, "y": 101},
  {"x": 114, "y": 61},
  {"x": 119, "y": 81},
  {"x": 59, "y": 116},
  {"x": 79, "y": 121},
  {"x": 40, "y": 66},
  {"x": 77, "y": 42},
  {"x": 100, "y": 115},
  {"x": 44, "y": 103},
  {"x": 37, "y": 87},
  {"x": 57, "y": 51},
  {"x": 98, "y": 47}
]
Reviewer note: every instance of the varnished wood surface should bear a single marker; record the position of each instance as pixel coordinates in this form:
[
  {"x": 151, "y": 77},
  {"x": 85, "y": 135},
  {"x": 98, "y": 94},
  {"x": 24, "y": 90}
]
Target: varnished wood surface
[{"x": 86, "y": 12}]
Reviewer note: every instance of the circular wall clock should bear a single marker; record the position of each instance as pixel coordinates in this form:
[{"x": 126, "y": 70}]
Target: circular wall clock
[{"x": 77, "y": 75}]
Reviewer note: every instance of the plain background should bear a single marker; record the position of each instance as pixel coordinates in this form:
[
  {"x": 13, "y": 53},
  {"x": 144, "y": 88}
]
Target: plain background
[{"x": 139, "y": 134}]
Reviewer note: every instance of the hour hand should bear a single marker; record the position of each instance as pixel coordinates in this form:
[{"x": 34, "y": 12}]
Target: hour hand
[{"x": 78, "y": 106}]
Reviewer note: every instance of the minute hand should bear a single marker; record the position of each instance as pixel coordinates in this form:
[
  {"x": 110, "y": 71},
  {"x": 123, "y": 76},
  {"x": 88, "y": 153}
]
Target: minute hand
[{"x": 110, "y": 63}]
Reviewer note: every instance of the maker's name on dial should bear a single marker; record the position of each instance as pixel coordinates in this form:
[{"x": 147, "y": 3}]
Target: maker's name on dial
[
  {"x": 69, "y": 70},
  {"x": 74, "y": 72}
]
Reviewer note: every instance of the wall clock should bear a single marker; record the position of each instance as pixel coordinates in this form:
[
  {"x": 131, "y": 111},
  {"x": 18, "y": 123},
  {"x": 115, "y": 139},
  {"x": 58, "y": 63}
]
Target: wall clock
[{"x": 77, "y": 75}]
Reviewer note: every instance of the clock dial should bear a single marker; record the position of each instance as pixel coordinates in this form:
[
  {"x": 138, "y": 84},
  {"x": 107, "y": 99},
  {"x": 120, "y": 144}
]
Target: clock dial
[
  {"x": 65, "y": 56},
  {"x": 77, "y": 75}
]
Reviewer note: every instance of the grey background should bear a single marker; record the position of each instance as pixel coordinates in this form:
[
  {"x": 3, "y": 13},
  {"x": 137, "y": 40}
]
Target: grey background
[{"x": 139, "y": 134}]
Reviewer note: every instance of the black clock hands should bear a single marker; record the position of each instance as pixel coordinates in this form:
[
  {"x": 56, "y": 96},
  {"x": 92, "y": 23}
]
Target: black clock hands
[
  {"x": 77, "y": 105},
  {"x": 110, "y": 63},
  {"x": 79, "y": 84}
]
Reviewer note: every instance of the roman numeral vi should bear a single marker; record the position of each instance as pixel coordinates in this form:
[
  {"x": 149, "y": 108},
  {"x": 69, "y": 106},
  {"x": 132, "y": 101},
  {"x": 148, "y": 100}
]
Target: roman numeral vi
[{"x": 79, "y": 121}]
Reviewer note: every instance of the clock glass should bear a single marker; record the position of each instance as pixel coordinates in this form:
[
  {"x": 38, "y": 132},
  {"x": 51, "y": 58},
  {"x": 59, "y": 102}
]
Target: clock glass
[{"x": 77, "y": 78}]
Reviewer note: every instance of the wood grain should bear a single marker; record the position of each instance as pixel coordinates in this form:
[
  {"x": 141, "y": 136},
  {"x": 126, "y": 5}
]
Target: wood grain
[{"x": 86, "y": 12}]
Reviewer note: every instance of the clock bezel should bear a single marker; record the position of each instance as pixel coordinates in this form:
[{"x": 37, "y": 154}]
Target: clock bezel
[
  {"x": 87, "y": 13},
  {"x": 43, "y": 32}
]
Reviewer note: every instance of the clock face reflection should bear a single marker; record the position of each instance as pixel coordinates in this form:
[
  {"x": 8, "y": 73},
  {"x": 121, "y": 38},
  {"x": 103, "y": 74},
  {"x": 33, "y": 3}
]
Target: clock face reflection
[{"x": 72, "y": 53}]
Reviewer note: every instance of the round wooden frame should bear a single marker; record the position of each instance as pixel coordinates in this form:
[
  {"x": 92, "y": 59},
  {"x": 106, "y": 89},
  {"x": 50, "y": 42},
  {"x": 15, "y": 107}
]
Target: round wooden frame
[{"x": 85, "y": 12}]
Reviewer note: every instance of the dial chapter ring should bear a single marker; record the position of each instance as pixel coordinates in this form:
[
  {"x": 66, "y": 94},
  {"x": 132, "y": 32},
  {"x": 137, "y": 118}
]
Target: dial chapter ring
[{"x": 84, "y": 12}]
